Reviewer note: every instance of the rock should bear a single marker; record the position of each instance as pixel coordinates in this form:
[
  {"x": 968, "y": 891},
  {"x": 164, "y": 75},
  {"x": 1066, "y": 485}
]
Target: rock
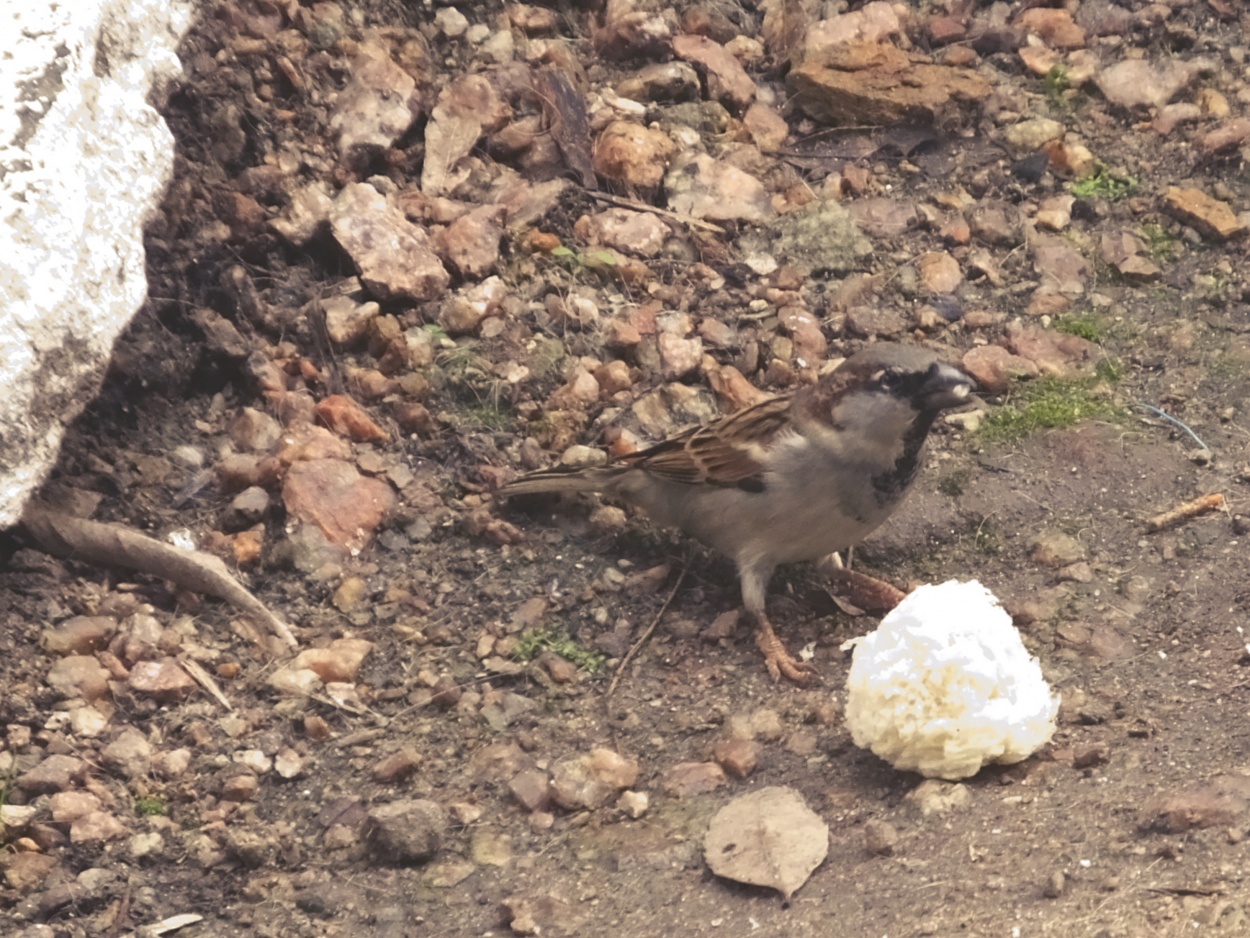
[
  {"x": 96, "y": 827},
  {"x": 467, "y": 107},
  {"x": 995, "y": 223},
  {"x": 470, "y": 244},
  {"x": 704, "y": 187},
  {"x": 1055, "y": 549},
  {"x": 869, "y": 321},
  {"x": 372, "y": 110},
  {"x": 875, "y": 22},
  {"x": 1029, "y": 136},
  {"x": 1055, "y": 27},
  {"x": 344, "y": 416},
  {"x": 933, "y": 796},
  {"x": 662, "y": 82},
  {"x": 589, "y": 780},
  {"x": 129, "y": 755},
  {"x": 1222, "y": 801},
  {"x": 79, "y": 635},
  {"x": 86, "y": 159},
  {"x": 1225, "y": 137},
  {"x": 1055, "y": 213},
  {"x": 634, "y": 155},
  {"x": 993, "y": 367},
  {"x": 1210, "y": 217},
  {"x": 871, "y": 84},
  {"x": 531, "y": 790},
  {"x": 767, "y": 128},
  {"x": 884, "y": 218},
  {"x": 1054, "y": 353},
  {"x": 26, "y": 873},
  {"x": 880, "y": 837},
  {"x": 347, "y": 321},
  {"x": 345, "y": 506},
  {"x": 1061, "y": 266},
  {"x": 633, "y": 804},
  {"x": 396, "y": 258},
  {"x": 678, "y": 357},
  {"x": 692, "y": 778},
  {"x": 638, "y": 233},
  {"x": 727, "y": 81},
  {"x": 407, "y": 831},
  {"x": 398, "y": 766},
  {"x": 738, "y": 757},
  {"x": 79, "y": 676},
  {"x": 939, "y": 271},
  {"x": 53, "y": 774},
  {"x": 822, "y": 236},
  {"x": 162, "y": 679},
  {"x": 339, "y": 661},
  {"x": 1141, "y": 83}
]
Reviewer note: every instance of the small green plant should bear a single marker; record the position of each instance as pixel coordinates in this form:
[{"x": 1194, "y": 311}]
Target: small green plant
[
  {"x": 1160, "y": 245},
  {"x": 150, "y": 805},
  {"x": 597, "y": 261},
  {"x": 1048, "y": 404},
  {"x": 536, "y": 641},
  {"x": 1087, "y": 327},
  {"x": 953, "y": 484},
  {"x": 1109, "y": 369},
  {"x": 1055, "y": 83},
  {"x": 1105, "y": 184},
  {"x": 985, "y": 538}
]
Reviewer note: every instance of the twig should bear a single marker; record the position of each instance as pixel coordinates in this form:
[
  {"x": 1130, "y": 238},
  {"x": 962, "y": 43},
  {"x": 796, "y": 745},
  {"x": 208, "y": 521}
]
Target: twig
[
  {"x": 629, "y": 656},
  {"x": 1199, "y": 506},
  {"x": 1180, "y": 423},
  {"x": 205, "y": 680},
  {"x": 115, "y": 545},
  {"x": 662, "y": 212}
]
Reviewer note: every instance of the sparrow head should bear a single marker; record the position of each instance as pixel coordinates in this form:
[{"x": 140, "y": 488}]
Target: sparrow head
[
  {"x": 887, "y": 389},
  {"x": 908, "y": 373}
]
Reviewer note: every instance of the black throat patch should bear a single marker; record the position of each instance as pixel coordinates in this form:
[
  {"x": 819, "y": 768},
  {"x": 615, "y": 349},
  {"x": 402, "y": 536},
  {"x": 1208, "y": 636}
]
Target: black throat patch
[{"x": 892, "y": 483}]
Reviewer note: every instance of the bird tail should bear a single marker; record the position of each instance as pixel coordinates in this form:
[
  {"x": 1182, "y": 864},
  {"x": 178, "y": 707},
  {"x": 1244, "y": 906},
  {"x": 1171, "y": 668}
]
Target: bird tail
[{"x": 561, "y": 480}]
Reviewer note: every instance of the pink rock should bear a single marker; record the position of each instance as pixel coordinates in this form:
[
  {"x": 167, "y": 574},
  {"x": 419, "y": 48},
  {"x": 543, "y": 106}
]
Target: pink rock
[
  {"x": 163, "y": 679},
  {"x": 346, "y": 506},
  {"x": 993, "y": 367},
  {"x": 79, "y": 676},
  {"x": 339, "y": 661},
  {"x": 395, "y": 257}
]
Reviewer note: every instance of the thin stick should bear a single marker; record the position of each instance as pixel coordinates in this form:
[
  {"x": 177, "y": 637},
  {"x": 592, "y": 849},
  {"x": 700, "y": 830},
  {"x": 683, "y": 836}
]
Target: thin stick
[
  {"x": 629, "y": 656},
  {"x": 205, "y": 680},
  {"x": 1199, "y": 506},
  {"x": 1172, "y": 420},
  {"x": 654, "y": 210}
]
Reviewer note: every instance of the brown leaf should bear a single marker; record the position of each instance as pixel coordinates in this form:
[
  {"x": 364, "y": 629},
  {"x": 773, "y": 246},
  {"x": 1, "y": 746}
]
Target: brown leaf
[{"x": 767, "y": 838}]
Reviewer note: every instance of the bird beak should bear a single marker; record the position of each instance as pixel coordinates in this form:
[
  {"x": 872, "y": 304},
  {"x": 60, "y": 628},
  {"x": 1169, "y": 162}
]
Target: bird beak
[{"x": 945, "y": 386}]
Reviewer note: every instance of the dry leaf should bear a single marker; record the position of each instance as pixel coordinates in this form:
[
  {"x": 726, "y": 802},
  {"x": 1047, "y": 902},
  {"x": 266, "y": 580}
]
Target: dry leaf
[{"x": 767, "y": 838}]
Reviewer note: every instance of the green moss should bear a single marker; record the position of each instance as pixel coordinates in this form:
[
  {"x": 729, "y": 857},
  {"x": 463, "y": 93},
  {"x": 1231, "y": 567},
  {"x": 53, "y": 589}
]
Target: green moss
[
  {"x": 1160, "y": 245},
  {"x": 536, "y": 641},
  {"x": 1048, "y": 404},
  {"x": 1105, "y": 184},
  {"x": 954, "y": 483},
  {"x": 149, "y": 806},
  {"x": 1087, "y": 327}
]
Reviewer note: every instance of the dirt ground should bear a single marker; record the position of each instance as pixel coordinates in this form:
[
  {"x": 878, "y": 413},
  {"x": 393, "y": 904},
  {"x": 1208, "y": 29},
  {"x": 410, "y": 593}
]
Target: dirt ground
[{"x": 1131, "y": 822}]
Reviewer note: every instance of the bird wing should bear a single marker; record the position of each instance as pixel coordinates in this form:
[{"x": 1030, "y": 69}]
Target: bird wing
[{"x": 730, "y": 452}]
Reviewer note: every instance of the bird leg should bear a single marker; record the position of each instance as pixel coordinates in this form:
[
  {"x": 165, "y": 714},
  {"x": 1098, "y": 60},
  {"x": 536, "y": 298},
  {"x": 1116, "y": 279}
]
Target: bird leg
[
  {"x": 779, "y": 661},
  {"x": 754, "y": 574}
]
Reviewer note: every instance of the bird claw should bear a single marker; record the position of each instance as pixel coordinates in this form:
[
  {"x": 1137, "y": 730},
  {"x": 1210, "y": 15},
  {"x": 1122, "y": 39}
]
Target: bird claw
[{"x": 781, "y": 663}]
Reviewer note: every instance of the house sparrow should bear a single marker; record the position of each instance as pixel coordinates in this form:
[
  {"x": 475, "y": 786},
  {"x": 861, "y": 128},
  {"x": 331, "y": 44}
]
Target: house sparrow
[{"x": 795, "y": 477}]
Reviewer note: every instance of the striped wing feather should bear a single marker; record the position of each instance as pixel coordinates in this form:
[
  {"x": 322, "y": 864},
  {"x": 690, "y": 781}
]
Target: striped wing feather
[{"x": 728, "y": 452}]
